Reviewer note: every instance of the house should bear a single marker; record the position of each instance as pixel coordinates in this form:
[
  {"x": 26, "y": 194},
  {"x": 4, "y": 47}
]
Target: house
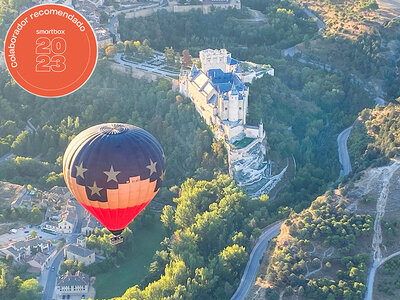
[
  {"x": 103, "y": 36},
  {"x": 79, "y": 252},
  {"x": 52, "y": 214},
  {"x": 89, "y": 224},
  {"x": 70, "y": 286},
  {"x": 32, "y": 246},
  {"x": 23, "y": 249},
  {"x": 18, "y": 255},
  {"x": 50, "y": 226},
  {"x": 38, "y": 261},
  {"x": 68, "y": 220}
]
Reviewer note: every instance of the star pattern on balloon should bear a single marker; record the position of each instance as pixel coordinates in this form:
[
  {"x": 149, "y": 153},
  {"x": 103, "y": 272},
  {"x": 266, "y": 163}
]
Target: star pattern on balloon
[
  {"x": 95, "y": 190},
  {"x": 162, "y": 175},
  {"x": 80, "y": 170},
  {"x": 96, "y": 187},
  {"x": 152, "y": 167},
  {"x": 112, "y": 175}
]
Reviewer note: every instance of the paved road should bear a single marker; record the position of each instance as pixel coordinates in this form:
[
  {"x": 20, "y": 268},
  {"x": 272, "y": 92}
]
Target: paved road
[
  {"x": 111, "y": 27},
  {"x": 253, "y": 264},
  {"x": 257, "y": 16},
  {"x": 5, "y": 157},
  {"x": 344, "y": 158},
  {"x": 52, "y": 276},
  {"x": 320, "y": 24},
  {"x": 48, "y": 278}
]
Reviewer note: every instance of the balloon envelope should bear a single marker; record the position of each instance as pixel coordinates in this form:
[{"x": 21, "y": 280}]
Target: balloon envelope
[{"x": 114, "y": 170}]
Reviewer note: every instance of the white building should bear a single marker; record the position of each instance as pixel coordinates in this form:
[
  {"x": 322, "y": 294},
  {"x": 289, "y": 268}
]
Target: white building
[
  {"x": 72, "y": 287},
  {"x": 23, "y": 249},
  {"x": 79, "y": 252},
  {"x": 68, "y": 220}
]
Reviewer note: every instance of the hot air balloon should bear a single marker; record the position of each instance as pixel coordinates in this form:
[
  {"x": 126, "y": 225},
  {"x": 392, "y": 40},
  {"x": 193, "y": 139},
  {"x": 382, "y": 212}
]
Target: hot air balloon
[{"x": 114, "y": 170}]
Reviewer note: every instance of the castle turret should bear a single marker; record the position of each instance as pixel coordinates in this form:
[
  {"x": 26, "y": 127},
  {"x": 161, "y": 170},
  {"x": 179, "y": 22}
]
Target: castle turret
[{"x": 233, "y": 110}]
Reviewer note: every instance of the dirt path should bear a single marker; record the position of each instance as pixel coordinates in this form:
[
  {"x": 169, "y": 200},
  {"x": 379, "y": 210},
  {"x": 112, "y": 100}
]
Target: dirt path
[{"x": 385, "y": 174}]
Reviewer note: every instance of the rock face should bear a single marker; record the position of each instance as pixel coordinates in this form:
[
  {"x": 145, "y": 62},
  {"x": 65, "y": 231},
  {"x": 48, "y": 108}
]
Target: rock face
[{"x": 250, "y": 171}]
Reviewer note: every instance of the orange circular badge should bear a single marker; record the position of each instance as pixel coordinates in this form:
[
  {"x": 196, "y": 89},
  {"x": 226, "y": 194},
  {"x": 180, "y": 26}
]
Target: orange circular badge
[{"x": 50, "y": 50}]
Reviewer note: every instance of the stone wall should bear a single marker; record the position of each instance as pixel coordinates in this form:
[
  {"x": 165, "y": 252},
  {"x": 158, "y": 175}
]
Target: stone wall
[
  {"x": 135, "y": 73},
  {"x": 205, "y": 8}
]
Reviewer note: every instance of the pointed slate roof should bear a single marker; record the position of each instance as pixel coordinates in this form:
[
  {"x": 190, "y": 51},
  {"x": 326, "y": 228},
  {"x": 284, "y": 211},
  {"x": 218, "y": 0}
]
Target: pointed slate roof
[
  {"x": 234, "y": 91},
  {"x": 194, "y": 72}
]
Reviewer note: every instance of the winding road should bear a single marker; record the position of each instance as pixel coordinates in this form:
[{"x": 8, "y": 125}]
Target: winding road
[
  {"x": 253, "y": 264},
  {"x": 344, "y": 158}
]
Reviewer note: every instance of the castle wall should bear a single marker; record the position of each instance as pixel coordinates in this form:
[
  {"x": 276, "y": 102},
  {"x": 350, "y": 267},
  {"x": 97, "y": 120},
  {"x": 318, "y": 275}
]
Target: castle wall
[
  {"x": 251, "y": 132},
  {"x": 205, "y": 8},
  {"x": 136, "y": 73}
]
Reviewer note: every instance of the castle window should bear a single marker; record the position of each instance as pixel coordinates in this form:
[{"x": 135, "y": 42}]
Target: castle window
[
  {"x": 240, "y": 108},
  {"x": 226, "y": 108}
]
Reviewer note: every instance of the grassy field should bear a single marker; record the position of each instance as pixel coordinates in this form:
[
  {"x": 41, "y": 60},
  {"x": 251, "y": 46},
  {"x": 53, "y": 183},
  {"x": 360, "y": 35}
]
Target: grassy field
[{"x": 115, "y": 282}]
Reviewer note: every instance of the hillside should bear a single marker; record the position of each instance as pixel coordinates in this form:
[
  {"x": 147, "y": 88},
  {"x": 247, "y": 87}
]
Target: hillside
[
  {"x": 322, "y": 252},
  {"x": 327, "y": 251},
  {"x": 375, "y": 137}
]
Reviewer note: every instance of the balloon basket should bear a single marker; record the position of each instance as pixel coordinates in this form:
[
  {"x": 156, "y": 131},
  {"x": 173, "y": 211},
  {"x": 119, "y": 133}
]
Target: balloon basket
[{"x": 116, "y": 240}]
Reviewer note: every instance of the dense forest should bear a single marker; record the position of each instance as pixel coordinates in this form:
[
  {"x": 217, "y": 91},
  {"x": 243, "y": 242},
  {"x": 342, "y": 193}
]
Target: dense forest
[
  {"x": 286, "y": 25},
  {"x": 213, "y": 228},
  {"x": 326, "y": 237}
]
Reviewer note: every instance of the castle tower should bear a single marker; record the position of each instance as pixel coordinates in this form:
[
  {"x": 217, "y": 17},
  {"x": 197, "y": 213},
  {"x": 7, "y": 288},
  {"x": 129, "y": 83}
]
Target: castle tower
[
  {"x": 213, "y": 59},
  {"x": 233, "y": 109},
  {"x": 81, "y": 241}
]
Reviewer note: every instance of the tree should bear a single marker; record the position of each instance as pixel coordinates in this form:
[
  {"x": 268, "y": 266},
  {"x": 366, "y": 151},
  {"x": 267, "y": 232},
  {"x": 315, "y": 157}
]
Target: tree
[
  {"x": 33, "y": 233},
  {"x": 103, "y": 17},
  {"x": 110, "y": 51},
  {"x": 168, "y": 218},
  {"x": 20, "y": 145},
  {"x": 186, "y": 58},
  {"x": 3, "y": 281},
  {"x": 36, "y": 216},
  {"x": 169, "y": 54},
  {"x": 232, "y": 259},
  {"x": 29, "y": 290}
]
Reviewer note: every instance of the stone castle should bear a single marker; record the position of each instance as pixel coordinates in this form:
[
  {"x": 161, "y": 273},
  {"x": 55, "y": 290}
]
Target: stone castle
[{"x": 220, "y": 95}]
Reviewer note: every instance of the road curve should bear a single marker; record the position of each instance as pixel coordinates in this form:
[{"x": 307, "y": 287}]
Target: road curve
[
  {"x": 344, "y": 158},
  {"x": 253, "y": 264}
]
